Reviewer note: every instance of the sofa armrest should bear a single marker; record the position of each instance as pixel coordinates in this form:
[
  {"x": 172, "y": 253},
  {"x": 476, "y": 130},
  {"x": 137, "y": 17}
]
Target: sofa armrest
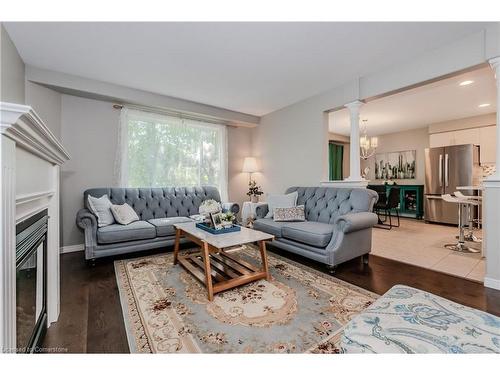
[
  {"x": 261, "y": 211},
  {"x": 86, "y": 219},
  {"x": 356, "y": 221},
  {"x": 231, "y": 207}
]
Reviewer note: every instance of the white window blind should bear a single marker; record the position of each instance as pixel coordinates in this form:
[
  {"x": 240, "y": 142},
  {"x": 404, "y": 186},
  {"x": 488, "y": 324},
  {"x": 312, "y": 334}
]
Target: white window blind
[{"x": 156, "y": 150}]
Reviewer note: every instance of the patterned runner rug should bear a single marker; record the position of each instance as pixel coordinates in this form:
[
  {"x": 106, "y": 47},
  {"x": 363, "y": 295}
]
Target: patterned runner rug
[{"x": 301, "y": 310}]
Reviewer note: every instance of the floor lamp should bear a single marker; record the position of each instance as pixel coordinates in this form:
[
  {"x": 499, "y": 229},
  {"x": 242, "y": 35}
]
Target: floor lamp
[{"x": 250, "y": 166}]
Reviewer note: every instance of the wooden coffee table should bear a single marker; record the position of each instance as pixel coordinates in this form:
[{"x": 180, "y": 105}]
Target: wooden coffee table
[{"x": 214, "y": 267}]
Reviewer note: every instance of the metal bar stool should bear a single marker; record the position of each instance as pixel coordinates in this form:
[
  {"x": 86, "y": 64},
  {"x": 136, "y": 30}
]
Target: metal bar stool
[
  {"x": 460, "y": 245},
  {"x": 475, "y": 201}
]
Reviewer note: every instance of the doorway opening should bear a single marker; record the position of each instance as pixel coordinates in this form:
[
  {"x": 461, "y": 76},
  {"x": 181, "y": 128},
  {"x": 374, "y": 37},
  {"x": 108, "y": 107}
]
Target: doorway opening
[{"x": 402, "y": 136}]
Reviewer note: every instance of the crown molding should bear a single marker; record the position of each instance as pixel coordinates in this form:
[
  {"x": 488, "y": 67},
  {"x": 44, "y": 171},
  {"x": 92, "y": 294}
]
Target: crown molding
[{"x": 23, "y": 125}]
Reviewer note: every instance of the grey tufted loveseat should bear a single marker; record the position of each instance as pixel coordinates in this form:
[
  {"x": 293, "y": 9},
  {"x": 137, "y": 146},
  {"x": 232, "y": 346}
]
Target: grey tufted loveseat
[
  {"x": 337, "y": 228},
  {"x": 158, "y": 209}
]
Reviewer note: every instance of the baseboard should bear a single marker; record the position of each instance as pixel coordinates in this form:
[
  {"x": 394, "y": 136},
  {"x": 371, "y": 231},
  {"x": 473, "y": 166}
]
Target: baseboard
[
  {"x": 72, "y": 248},
  {"x": 492, "y": 283}
]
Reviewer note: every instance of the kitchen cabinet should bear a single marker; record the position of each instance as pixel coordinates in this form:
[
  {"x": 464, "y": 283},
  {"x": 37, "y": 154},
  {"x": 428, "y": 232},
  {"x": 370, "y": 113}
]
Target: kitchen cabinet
[
  {"x": 457, "y": 137},
  {"x": 485, "y": 137},
  {"x": 488, "y": 139},
  {"x": 441, "y": 139},
  {"x": 467, "y": 136},
  {"x": 411, "y": 198}
]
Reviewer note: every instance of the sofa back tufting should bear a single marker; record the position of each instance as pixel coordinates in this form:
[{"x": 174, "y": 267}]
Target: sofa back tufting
[
  {"x": 325, "y": 204},
  {"x": 154, "y": 203}
]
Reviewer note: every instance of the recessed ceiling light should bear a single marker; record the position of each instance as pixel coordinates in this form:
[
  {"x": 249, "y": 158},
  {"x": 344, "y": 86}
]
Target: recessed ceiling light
[
  {"x": 466, "y": 83},
  {"x": 484, "y": 105}
]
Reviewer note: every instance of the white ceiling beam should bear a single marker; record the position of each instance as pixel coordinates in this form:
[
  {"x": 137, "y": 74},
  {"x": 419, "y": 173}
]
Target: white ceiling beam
[{"x": 79, "y": 86}]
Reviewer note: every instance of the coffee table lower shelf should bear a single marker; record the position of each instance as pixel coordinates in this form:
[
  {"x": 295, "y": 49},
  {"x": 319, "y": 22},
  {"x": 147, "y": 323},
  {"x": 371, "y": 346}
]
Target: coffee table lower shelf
[
  {"x": 226, "y": 270},
  {"x": 212, "y": 265}
]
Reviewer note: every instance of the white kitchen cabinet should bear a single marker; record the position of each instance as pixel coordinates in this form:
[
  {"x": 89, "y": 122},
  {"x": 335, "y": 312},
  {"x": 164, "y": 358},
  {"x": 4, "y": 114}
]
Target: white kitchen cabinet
[
  {"x": 457, "y": 137},
  {"x": 488, "y": 139},
  {"x": 467, "y": 136},
  {"x": 441, "y": 139},
  {"x": 485, "y": 137}
]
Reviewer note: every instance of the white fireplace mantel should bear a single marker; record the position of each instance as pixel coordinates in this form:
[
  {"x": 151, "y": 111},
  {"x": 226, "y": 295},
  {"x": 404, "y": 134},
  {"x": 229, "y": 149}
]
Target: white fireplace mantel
[
  {"x": 21, "y": 124},
  {"x": 29, "y": 154}
]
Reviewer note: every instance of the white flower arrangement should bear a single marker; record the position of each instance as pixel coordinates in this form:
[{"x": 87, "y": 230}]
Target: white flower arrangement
[{"x": 210, "y": 206}]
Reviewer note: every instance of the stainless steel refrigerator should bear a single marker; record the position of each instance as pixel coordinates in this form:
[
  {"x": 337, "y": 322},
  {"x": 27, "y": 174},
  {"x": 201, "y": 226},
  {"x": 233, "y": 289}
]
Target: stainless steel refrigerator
[{"x": 445, "y": 169}]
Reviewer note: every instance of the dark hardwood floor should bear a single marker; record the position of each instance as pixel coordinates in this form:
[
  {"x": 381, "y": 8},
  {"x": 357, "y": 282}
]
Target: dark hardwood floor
[{"x": 91, "y": 319}]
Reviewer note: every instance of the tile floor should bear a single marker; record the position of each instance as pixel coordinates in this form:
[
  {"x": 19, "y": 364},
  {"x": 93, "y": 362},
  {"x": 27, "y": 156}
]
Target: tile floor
[{"x": 421, "y": 244}]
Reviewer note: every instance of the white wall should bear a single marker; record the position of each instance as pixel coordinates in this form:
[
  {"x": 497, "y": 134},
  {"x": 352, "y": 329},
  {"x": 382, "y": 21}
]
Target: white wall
[
  {"x": 88, "y": 126},
  {"x": 89, "y": 134},
  {"x": 417, "y": 139},
  {"x": 89, "y": 129},
  {"x": 47, "y": 103},
  {"x": 11, "y": 71},
  {"x": 291, "y": 141},
  {"x": 239, "y": 147}
]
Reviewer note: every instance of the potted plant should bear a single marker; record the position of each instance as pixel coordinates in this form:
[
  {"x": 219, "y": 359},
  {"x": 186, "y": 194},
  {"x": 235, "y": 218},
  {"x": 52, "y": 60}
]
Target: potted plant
[
  {"x": 254, "y": 191},
  {"x": 227, "y": 219}
]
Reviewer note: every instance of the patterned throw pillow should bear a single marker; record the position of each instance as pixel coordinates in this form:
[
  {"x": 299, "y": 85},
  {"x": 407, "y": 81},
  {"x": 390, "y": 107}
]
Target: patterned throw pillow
[
  {"x": 101, "y": 207},
  {"x": 124, "y": 214},
  {"x": 280, "y": 200},
  {"x": 289, "y": 213}
]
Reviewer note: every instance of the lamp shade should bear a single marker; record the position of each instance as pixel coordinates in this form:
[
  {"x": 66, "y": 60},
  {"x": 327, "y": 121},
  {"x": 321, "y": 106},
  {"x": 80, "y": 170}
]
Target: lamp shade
[{"x": 250, "y": 165}]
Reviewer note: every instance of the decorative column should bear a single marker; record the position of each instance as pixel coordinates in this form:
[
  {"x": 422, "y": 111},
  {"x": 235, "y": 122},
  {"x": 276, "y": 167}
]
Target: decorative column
[
  {"x": 491, "y": 203},
  {"x": 355, "y": 168},
  {"x": 495, "y": 65},
  {"x": 355, "y": 180}
]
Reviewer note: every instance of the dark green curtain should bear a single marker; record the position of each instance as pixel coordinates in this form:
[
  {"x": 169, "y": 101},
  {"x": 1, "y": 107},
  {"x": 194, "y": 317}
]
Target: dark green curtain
[{"x": 336, "y": 158}]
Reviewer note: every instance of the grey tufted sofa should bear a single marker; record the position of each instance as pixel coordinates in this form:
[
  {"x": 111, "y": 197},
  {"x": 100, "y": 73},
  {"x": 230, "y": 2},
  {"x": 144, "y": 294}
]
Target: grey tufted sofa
[
  {"x": 158, "y": 209},
  {"x": 337, "y": 228}
]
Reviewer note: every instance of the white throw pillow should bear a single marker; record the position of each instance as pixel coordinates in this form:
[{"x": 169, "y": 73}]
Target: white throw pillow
[
  {"x": 280, "y": 201},
  {"x": 101, "y": 207},
  {"x": 124, "y": 214}
]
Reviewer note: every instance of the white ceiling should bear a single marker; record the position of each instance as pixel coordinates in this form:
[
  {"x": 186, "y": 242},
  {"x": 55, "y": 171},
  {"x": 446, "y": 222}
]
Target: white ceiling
[
  {"x": 417, "y": 108},
  {"x": 253, "y": 68}
]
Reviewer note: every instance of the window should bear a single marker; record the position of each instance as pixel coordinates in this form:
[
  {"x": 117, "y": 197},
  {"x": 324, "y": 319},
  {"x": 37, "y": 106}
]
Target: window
[{"x": 158, "y": 150}]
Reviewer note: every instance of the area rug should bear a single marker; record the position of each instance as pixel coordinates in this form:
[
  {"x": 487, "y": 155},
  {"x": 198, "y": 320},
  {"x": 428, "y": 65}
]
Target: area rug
[{"x": 301, "y": 310}]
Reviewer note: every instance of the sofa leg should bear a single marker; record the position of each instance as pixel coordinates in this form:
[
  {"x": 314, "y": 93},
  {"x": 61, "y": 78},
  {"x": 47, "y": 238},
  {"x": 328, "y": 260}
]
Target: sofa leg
[
  {"x": 331, "y": 269},
  {"x": 365, "y": 258},
  {"x": 91, "y": 262}
]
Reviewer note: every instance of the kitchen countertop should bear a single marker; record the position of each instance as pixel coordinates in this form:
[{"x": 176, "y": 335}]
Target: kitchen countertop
[{"x": 478, "y": 187}]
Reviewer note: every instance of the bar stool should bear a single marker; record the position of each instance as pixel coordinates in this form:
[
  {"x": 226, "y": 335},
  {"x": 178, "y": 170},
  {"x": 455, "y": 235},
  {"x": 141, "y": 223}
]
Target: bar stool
[
  {"x": 474, "y": 201},
  {"x": 460, "y": 245}
]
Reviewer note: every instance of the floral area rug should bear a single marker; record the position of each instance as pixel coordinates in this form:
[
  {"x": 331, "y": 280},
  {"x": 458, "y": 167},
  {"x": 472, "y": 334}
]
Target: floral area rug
[{"x": 166, "y": 310}]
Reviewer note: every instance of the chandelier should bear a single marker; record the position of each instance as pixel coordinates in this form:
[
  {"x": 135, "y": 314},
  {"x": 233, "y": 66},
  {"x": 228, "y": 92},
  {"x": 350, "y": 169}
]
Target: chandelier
[{"x": 367, "y": 146}]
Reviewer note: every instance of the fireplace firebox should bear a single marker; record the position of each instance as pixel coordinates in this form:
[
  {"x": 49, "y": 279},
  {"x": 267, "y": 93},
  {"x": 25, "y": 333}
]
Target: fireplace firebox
[{"x": 31, "y": 282}]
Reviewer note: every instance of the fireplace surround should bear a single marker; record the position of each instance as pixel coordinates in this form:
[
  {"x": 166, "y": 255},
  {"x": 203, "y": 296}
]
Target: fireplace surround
[
  {"x": 30, "y": 160},
  {"x": 31, "y": 282}
]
